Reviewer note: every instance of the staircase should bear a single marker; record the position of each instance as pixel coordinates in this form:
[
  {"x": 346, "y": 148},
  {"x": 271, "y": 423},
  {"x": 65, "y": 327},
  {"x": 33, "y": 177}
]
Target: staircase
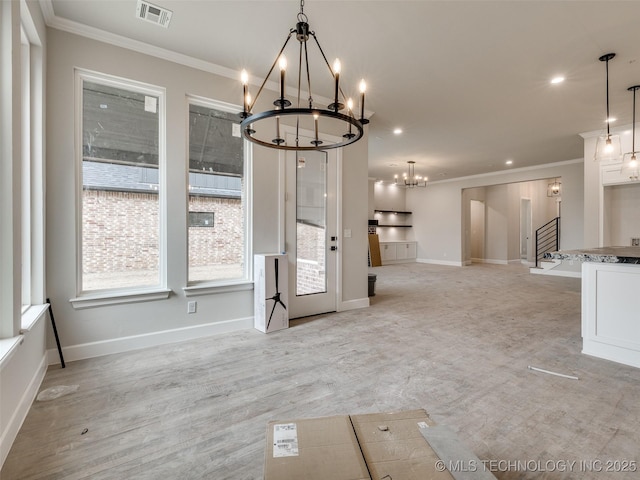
[{"x": 547, "y": 240}]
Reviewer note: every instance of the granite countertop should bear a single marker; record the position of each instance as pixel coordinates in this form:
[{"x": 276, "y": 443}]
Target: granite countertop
[{"x": 602, "y": 255}]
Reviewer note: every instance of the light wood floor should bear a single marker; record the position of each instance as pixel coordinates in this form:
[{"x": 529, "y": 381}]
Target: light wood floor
[{"x": 455, "y": 341}]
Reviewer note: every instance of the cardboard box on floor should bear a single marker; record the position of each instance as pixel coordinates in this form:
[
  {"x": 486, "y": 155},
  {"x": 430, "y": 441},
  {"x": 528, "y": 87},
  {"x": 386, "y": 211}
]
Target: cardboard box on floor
[{"x": 377, "y": 446}]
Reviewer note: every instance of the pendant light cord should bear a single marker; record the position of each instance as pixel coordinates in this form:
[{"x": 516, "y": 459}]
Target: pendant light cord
[{"x": 608, "y": 122}]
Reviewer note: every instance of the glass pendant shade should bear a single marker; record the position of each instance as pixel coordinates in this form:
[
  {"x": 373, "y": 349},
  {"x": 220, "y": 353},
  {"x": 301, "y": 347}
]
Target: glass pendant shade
[
  {"x": 608, "y": 148},
  {"x": 630, "y": 160}
]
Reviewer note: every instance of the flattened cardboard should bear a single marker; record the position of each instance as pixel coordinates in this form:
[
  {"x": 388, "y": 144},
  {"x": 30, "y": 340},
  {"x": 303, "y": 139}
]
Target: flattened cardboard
[
  {"x": 327, "y": 449},
  {"x": 393, "y": 446}
]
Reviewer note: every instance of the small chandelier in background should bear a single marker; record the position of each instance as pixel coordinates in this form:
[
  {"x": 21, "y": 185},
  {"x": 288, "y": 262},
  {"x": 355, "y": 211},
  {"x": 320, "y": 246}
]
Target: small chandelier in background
[
  {"x": 608, "y": 148},
  {"x": 263, "y": 128},
  {"x": 410, "y": 179},
  {"x": 554, "y": 188},
  {"x": 629, "y": 160}
]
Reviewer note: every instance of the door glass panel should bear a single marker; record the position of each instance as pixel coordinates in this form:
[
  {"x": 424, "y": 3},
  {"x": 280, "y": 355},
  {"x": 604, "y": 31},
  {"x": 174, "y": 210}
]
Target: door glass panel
[{"x": 311, "y": 222}]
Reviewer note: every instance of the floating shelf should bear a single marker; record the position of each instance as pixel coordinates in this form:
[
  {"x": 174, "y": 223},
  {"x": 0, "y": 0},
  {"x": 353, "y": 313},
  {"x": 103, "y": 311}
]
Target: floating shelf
[
  {"x": 399, "y": 226},
  {"x": 392, "y": 211}
]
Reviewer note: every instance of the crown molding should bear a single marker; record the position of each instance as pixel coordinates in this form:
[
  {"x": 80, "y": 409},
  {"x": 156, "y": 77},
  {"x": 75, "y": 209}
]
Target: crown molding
[
  {"x": 66, "y": 25},
  {"x": 508, "y": 171}
]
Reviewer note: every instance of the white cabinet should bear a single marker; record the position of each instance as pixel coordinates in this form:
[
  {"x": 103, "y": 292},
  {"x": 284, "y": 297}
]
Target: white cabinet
[
  {"x": 387, "y": 252},
  {"x": 610, "y": 327},
  {"x": 397, "y": 252},
  {"x": 617, "y": 175},
  {"x": 406, "y": 251}
]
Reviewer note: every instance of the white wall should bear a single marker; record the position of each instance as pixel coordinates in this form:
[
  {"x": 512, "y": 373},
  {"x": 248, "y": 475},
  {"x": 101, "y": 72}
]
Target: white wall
[
  {"x": 23, "y": 353},
  {"x": 621, "y": 214},
  {"x": 99, "y": 330},
  {"x": 439, "y": 215},
  {"x": 391, "y": 197},
  {"x": 596, "y": 208}
]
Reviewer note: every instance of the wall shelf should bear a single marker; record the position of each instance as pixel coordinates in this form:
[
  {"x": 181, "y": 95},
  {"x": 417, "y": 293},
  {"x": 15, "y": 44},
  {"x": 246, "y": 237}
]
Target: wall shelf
[
  {"x": 392, "y": 211},
  {"x": 399, "y": 226}
]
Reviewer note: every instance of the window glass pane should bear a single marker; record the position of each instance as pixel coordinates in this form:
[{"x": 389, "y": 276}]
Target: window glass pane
[
  {"x": 120, "y": 205},
  {"x": 26, "y": 247},
  {"x": 216, "y": 196},
  {"x": 311, "y": 223}
]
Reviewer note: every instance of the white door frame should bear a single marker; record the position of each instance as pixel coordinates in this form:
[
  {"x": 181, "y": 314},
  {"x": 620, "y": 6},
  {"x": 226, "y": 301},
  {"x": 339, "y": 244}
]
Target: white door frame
[
  {"x": 529, "y": 231},
  {"x": 334, "y": 257}
]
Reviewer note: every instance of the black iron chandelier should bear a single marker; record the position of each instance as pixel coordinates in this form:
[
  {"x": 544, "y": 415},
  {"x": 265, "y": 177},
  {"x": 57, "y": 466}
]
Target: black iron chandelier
[
  {"x": 410, "y": 179},
  {"x": 264, "y": 128}
]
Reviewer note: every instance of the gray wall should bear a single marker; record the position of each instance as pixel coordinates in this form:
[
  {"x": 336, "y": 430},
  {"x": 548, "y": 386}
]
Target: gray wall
[
  {"x": 103, "y": 324},
  {"x": 439, "y": 217}
]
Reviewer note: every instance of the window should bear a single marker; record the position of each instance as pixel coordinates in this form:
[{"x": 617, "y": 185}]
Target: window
[
  {"x": 122, "y": 243},
  {"x": 217, "y": 190},
  {"x": 25, "y": 57}
]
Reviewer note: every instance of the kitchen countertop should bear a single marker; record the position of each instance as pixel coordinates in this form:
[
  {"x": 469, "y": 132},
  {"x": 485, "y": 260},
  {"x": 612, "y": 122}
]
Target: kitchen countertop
[{"x": 602, "y": 255}]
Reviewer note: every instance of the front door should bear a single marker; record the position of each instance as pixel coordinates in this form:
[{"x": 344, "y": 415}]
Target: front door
[{"x": 311, "y": 231}]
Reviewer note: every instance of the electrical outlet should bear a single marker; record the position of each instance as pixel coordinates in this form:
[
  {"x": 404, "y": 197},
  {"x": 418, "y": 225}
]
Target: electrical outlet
[
  {"x": 191, "y": 307},
  {"x": 635, "y": 242}
]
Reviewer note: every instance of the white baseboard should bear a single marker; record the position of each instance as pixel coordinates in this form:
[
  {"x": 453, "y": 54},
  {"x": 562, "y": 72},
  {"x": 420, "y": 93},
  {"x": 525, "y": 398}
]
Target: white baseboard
[
  {"x": 494, "y": 261},
  {"x": 515, "y": 261},
  {"x": 353, "y": 304},
  {"x": 125, "y": 344},
  {"x": 440, "y": 262},
  {"x": 20, "y": 414}
]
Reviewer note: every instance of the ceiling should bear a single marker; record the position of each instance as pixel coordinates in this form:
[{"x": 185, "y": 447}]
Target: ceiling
[{"x": 468, "y": 82}]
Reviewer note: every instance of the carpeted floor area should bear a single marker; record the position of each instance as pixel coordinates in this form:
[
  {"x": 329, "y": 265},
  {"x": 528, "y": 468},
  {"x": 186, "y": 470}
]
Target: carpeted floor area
[{"x": 455, "y": 341}]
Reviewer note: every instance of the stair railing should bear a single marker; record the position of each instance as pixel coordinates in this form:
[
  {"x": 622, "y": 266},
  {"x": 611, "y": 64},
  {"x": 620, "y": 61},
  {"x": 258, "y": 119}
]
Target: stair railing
[{"x": 547, "y": 238}]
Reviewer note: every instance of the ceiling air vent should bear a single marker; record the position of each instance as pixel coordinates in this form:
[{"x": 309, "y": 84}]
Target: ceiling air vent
[{"x": 154, "y": 14}]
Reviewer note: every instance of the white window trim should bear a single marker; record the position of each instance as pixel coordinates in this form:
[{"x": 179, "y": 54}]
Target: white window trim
[
  {"x": 94, "y": 298},
  {"x": 205, "y": 287}
]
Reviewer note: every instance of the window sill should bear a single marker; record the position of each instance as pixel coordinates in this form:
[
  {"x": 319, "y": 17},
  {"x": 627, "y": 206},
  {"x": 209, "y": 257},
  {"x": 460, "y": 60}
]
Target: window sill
[
  {"x": 211, "y": 288},
  {"x": 116, "y": 298},
  {"x": 30, "y": 317}
]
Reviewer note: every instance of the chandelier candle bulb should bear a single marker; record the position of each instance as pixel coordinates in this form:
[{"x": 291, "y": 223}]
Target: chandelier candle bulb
[
  {"x": 336, "y": 70},
  {"x": 283, "y": 68},
  {"x": 363, "y": 88},
  {"x": 244, "y": 77}
]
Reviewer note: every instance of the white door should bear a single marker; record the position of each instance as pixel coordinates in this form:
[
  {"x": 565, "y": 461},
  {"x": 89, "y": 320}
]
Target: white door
[
  {"x": 477, "y": 230},
  {"x": 526, "y": 238},
  {"x": 311, "y": 231}
]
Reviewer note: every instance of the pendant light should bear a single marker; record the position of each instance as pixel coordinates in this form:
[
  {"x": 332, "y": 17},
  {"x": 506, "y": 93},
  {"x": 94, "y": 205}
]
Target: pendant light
[
  {"x": 608, "y": 147},
  {"x": 630, "y": 161},
  {"x": 553, "y": 189},
  {"x": 300, "y": 109}
]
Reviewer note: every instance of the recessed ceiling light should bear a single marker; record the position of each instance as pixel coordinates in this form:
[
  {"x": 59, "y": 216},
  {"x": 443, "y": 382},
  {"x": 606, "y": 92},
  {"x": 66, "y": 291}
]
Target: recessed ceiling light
[
  {"x": 509, "y": 162},
  {"x": 555, "y": 80},
  {"x": 397, "y": 131}
]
